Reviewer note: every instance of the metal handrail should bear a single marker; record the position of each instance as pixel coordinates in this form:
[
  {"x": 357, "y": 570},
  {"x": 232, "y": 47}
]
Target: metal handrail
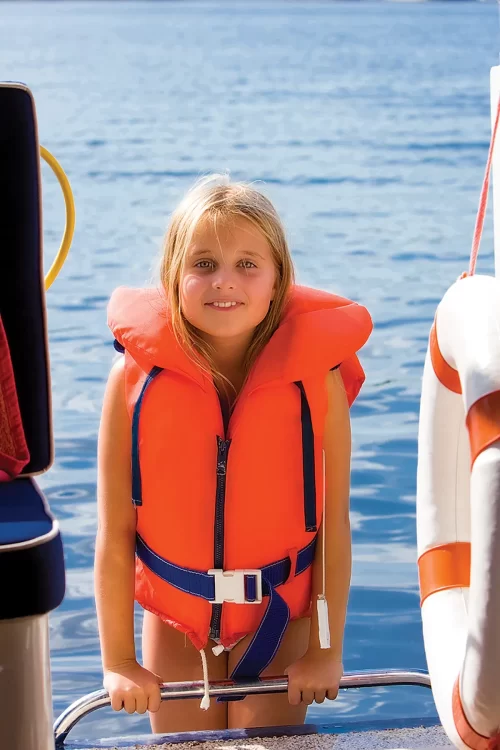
[{"x": 178, "y": 690}]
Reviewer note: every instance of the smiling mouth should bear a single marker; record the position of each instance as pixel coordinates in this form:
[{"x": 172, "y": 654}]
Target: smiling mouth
[{"x": 223, "y": 305}]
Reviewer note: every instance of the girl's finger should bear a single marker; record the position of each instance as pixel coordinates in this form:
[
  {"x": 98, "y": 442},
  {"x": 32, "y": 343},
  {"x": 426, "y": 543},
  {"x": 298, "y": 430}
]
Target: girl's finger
[
  {"x": 307, "y": 697},
  {"x": 154, "y": 699},
  {"x": 141, "y": 703},
  {"x": 319, "y": 696},
  {"x": 129, "y": 703},
  {"x": 332, "y": 694},
  {"x": 116, "y": 702},
  {"x": 294, "y": 696}
]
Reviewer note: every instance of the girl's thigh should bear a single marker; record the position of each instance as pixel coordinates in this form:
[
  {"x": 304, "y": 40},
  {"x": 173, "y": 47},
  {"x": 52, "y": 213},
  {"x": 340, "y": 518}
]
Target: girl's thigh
[
  {"x": 271, "y": 710},
  {"x": 172, "y": 656}
]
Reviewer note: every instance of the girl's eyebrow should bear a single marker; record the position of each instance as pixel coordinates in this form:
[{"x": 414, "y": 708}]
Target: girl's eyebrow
[
  {"x": 207, "y": 251},
  {"x": 253, "y": 254},
  {"x": 201, "y": 251}
]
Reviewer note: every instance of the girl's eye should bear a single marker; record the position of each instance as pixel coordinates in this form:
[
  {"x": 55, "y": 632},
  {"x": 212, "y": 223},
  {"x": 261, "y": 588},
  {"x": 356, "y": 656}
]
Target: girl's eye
[{"x": 206, "y": 265}]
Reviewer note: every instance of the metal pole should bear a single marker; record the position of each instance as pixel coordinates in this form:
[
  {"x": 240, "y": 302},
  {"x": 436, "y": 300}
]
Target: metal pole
[
  {"x": 25, "y": 695},
  {"x": 181, "y": 690}
]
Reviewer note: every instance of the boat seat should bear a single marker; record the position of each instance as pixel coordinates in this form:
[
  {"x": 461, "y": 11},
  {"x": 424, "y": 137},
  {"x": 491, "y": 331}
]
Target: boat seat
[
  {"x": 31, "y": 559},
  {"x": 31, "y": 555}
]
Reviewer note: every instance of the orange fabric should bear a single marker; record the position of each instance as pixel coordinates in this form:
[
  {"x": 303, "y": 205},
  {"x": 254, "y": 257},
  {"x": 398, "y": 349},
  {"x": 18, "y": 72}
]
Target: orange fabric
[
  {"x": 179, "y": 422},
  {"x": 483, "y": 424},
  {"x": 444, "y": 567},
  {"x": 446, "y": 375},
  {"x": 467, "y": 734}
]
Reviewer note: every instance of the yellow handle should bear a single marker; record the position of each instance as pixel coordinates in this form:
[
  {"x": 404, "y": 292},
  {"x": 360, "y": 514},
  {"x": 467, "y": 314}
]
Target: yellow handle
[{"x": 69, "y": 229}]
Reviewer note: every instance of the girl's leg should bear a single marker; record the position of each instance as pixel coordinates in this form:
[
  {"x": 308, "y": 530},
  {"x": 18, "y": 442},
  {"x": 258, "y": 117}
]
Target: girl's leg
[
  {"x": 271, "y": 710},
  {"x": 168, "y": 653}
]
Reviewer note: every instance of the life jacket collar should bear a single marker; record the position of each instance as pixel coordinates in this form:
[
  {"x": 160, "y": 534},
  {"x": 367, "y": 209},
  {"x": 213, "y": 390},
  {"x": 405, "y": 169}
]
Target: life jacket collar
[{"x": 318, "y": 331}]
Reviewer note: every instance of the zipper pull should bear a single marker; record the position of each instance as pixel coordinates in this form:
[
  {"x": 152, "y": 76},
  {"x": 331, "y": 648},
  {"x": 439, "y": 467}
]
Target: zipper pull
[{"x": 221, "y": 456}]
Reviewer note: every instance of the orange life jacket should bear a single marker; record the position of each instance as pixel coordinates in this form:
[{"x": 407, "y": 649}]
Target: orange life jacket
[{"x": 243, "y": 498}]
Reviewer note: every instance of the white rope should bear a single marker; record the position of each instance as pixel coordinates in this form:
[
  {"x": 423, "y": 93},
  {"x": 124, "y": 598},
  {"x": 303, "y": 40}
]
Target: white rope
[{"x": 205, "y": 703}]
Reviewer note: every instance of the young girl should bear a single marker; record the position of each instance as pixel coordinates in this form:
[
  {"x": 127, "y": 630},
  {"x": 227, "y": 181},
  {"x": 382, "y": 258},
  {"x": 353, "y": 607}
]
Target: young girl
[{"x": 220, "y": 425}]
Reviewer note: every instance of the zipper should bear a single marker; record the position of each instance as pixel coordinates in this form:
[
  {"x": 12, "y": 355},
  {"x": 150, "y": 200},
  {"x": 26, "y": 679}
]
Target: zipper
[{"x": 220, "y": 497}]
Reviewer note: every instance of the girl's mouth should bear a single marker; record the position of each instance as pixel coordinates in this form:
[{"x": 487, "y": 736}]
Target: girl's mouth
[{"x": 223, "y": 305}]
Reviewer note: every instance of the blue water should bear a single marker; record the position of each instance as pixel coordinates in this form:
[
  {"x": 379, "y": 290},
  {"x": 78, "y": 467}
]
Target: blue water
[{"x": 368, "y": 125}]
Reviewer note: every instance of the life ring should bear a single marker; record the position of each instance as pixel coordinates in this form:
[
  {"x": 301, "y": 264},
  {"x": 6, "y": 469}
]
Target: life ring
[{"x": 458, "y": 511}]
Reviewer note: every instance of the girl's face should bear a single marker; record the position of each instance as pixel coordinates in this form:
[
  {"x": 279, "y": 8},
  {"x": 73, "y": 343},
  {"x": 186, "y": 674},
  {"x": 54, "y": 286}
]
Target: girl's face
[{"x": 228, "y": 280}]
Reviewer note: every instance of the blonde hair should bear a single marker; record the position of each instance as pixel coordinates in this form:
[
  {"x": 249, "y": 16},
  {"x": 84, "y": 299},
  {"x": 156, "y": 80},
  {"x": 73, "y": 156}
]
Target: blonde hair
[{"x": 217, "y": 199}]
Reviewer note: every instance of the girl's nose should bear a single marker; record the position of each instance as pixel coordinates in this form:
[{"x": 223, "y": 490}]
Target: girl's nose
[{"x": 223, "y": 280}]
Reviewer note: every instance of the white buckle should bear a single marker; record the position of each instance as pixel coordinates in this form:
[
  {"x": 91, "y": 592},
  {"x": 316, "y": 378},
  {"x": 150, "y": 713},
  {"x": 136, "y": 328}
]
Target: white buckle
[{"x": 230, "y": 586}]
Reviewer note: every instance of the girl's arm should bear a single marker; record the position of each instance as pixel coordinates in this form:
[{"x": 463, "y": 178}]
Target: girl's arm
[
  {"x": 317, "y": 675},
  {"x": 129, "y": 685},
  {"x": 337, "y": 447}
]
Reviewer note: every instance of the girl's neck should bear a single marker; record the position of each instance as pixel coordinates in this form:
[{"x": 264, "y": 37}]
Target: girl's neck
[
  {"x": 229, "y": 359},
  {"x": 233, "y": 369}
]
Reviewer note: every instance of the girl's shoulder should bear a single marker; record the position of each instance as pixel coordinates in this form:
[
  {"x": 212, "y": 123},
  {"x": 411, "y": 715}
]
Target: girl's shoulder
[
  {"x": 117, "y": 371},
  {"x": 114, "y": 394}
]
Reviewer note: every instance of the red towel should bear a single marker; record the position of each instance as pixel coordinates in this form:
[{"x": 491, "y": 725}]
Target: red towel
[{"x": 14, "y": 454}]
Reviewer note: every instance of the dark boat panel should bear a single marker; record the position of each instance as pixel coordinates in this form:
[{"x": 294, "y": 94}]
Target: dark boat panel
[{"x": 22, "y": 296}]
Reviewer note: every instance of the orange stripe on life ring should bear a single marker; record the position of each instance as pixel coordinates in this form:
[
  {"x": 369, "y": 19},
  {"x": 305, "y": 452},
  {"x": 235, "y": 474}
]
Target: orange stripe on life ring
[
  {"x": 444, "y": 567},
  {"x": 446, "y": 375},
  {"x": 467, "y": 734},
  {"x": 483, "y": 424}
]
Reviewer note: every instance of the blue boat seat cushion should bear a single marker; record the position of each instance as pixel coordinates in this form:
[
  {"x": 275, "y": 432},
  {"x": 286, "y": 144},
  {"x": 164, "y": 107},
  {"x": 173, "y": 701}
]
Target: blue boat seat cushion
[{"x": 31, "y": 555}]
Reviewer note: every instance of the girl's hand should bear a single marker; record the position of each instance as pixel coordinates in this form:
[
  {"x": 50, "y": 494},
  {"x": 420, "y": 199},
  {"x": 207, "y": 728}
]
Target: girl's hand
[
  {"x": 313, "y": 678},
  {"x": 132, "y": 687}
]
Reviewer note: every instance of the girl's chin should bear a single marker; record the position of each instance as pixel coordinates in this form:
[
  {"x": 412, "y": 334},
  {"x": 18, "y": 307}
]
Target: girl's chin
[{"x": 225, "y": 334}]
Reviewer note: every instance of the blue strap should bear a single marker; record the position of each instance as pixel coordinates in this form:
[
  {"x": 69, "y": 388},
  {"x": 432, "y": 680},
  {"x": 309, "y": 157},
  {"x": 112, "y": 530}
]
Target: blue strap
[
  {"x": 136, "y": 468},
  {"x": 118, "y": 347},
  {"x": 250, "y": 588},
  {"x": 266, "y": 640},
  {"x": 269, "y": 635},
  {"x": 185, "y": 579},
  {"x": 308, "y": 463},
  {"x": 203, "y": 585}
]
